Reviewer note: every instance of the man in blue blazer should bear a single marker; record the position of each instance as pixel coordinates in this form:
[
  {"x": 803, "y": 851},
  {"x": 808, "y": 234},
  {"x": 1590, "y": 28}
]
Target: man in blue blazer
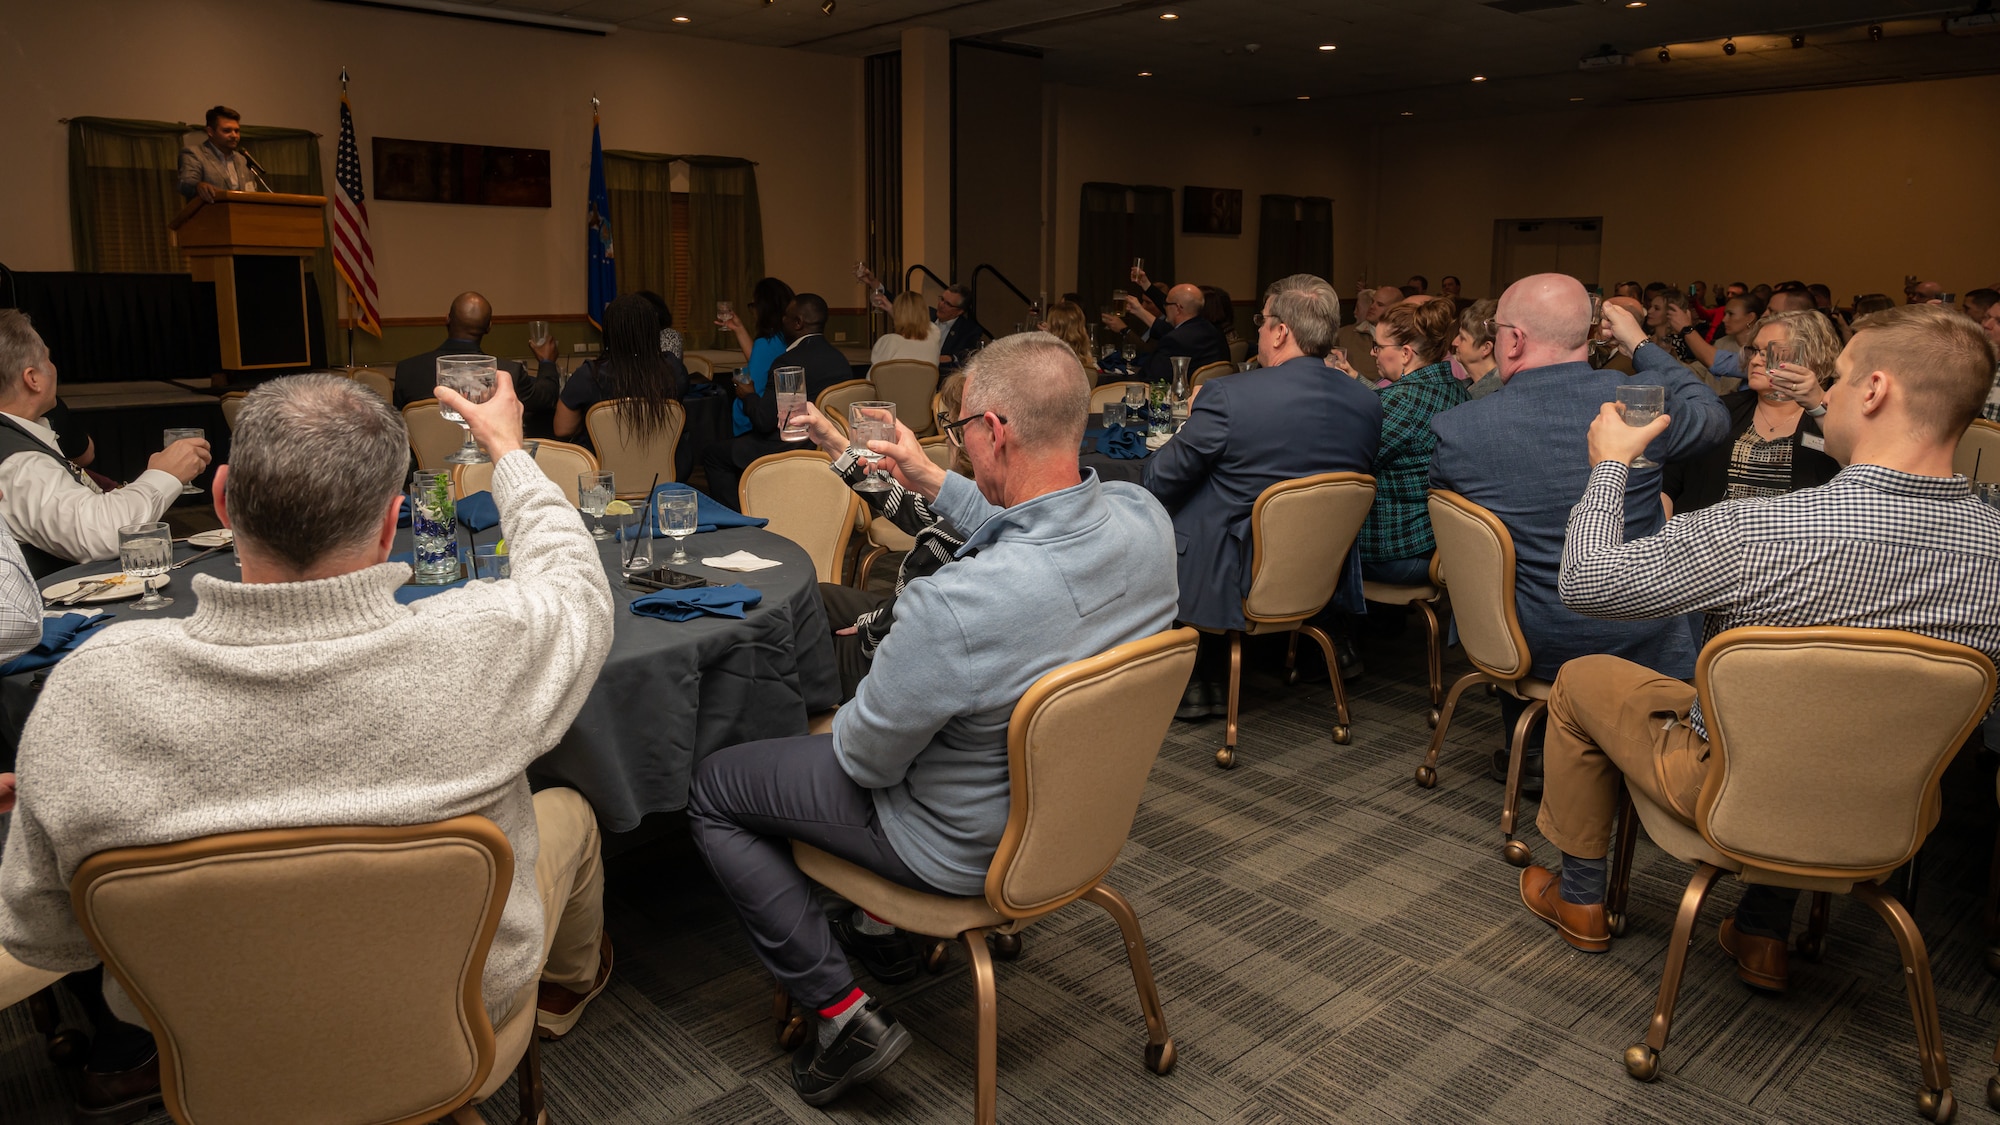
[
  {"x": 1292, "y": 417},
  {"x": 1519, "y": 452}
]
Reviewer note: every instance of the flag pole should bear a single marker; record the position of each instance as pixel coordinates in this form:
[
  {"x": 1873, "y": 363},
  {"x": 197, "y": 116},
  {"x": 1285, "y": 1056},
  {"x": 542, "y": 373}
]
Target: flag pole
[{"x": 349, "y": 288}]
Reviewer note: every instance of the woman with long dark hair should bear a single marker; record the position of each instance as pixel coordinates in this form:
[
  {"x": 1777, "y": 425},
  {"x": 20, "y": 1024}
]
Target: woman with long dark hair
[
  {"x": 768, "y": 299},
  {"x": 631, "y": 368}
]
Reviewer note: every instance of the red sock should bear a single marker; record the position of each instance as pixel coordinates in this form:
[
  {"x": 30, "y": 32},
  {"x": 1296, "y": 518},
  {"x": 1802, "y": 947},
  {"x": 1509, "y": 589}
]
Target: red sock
[
  {"x": 872, "y": 917},
  {"x": 833, "y": 1010}
]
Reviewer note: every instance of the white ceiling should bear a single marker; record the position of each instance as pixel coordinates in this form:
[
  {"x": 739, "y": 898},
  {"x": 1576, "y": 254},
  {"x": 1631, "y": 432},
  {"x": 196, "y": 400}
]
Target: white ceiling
[{"x": 1393, "y": 55}]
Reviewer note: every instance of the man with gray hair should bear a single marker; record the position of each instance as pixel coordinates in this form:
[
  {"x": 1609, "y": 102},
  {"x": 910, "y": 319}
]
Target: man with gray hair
[
  {"x": 278, "y": 701},
  {"x": 1291, "y": 417},
  {"x": 912, "y": 784}
]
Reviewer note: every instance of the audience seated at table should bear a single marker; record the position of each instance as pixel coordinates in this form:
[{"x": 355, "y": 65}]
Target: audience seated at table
[
  {"x": 166, "y": 730},
  {"x": 466, "y": 324},
  {"x": 860, "y": 618},
  {"x": 1991, "y": 323},
  {"x": 1293, "y": 417},
  {"x": 1182, "y": 331},
  {"x": 913, "y": 334},
  {"x": 960, "y": 330},
  {"x": 806, "y": 346},
  {"x": 1775, "y": 445},
  {"x": 56, "y": 512},
  {"x": 1067, "y": 323},
  {"x": 913, "y": 782},
  {"x": 769, "y": 299},
  {"x": 1519, "y": 453},
  {"x": 1395, "y": 543},
  {"x": 1606, "y": 353},
  {"x": 1473, "y": 348},
  {"x": 1895, "y": 541},
  {"x": 1357, "y": 340},
  {"x": 670, "y": 337},
  {"x": 631, "y": 367},
  {"x": 1219, "y": 310}
]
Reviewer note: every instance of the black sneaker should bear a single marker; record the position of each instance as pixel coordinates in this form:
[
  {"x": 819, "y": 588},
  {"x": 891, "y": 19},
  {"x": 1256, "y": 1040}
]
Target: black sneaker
[
  {"x": 1199, "y": 701},
  {"x": 890, "y": 958},
  {"x": 862, "y": 1050}
]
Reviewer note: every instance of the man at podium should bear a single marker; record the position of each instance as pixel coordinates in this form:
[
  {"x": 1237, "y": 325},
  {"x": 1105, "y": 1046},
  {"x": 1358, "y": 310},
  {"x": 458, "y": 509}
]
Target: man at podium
[{"x": 218, "y": 165}]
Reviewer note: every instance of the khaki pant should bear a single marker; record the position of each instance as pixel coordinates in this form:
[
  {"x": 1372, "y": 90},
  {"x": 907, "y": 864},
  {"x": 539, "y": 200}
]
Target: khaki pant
[
  {"x": 570, "y": 877},
  {"x": 1612, "y": 720}
]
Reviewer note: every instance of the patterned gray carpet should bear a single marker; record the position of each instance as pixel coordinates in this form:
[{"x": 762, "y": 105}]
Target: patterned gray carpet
[{"x": 1332, "y": 944}]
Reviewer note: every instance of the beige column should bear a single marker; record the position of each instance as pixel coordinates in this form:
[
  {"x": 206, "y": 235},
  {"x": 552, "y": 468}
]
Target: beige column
[{"x": 927, "y": 149}]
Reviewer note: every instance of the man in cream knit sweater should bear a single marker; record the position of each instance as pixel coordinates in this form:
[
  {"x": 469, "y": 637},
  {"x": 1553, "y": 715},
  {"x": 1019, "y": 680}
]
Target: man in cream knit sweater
[{"x": 307, "y": 695}]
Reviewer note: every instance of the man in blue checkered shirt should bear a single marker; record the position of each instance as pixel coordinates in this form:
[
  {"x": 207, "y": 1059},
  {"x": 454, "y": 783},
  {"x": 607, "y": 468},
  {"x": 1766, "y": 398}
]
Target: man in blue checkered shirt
[{"x": 1895, "y": 541}]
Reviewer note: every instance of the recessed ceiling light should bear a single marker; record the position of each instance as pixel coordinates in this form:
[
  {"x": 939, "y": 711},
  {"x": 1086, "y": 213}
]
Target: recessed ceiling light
[
  {"x": 1305, "y": 97},
  {"x": 682, "y": 19},
  {"x": 1479, "y": 78},
  {"x": 1576, "y": 99},
  {"x": 1635, "y": 3},
  {"x": 1169, "y": 16},
  {"x": 1409, "y": 113},
  {"x": 1328, "y": 47},
  {"x": 1145, "y": 74}
]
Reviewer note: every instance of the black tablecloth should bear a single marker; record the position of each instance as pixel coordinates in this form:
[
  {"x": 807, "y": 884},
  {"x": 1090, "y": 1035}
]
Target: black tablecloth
[
  {"x": 1113, "y": 468},
  {"x": 103, "y": 327},
  {"x": 670, "y": 694}
]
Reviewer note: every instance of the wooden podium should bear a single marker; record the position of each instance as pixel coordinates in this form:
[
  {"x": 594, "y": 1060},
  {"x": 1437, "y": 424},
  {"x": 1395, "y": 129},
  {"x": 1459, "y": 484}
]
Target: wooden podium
[{"x": 253, "y": 245}]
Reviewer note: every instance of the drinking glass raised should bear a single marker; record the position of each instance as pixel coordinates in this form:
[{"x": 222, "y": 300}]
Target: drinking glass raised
[
  {"x": 1643, "y": 402},
  {"x": 866, "y": 422},
  {"x": 174, "y": 435},
  {"x": 473, "y": 376}
]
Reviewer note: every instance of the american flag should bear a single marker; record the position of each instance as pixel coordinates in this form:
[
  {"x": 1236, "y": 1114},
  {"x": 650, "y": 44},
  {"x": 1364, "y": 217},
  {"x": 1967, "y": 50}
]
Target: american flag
[{"x": 352, "y": 255}]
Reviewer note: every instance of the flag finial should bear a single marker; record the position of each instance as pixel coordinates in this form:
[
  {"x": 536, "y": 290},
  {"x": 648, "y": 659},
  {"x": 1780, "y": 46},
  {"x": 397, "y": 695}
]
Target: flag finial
[
  {"x": 343, "y": 80},
  {"x": 593, "y": 103}
]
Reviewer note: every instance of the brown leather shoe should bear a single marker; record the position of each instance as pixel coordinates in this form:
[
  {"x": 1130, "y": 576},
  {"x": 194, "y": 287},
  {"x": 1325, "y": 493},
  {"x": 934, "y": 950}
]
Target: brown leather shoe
[
  {"x": 557, "y": 1008},
  {"x": 1582, "y": 926},
  {"x": 118, "y": 1097},
  {"x": 1761, "y": 962}
]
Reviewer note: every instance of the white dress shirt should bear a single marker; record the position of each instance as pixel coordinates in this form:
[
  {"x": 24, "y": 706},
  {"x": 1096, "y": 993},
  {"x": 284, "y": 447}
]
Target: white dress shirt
[{"x": 43, "y": 505}]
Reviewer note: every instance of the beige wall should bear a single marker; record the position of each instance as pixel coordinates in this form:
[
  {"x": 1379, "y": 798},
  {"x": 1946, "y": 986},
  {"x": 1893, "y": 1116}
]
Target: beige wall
[{"x": 797, "y": 114}]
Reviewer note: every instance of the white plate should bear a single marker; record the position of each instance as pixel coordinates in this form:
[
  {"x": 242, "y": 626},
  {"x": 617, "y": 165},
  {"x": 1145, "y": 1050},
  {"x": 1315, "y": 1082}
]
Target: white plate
[
  {"x": 220, "y": 537},
  {"x": 130, "y": 588}
]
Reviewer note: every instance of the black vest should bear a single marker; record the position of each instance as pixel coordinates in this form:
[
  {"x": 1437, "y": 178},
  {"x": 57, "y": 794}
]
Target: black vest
[{"x": 14, "y": 439}]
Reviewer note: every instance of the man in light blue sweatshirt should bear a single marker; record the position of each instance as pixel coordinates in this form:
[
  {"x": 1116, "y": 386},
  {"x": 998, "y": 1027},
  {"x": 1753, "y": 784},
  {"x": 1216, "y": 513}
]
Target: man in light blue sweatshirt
[{"x": 912, "y": 783}]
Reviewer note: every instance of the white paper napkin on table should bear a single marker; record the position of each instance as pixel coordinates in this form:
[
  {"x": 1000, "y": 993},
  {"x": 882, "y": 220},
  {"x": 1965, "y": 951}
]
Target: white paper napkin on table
[{"x": 739, "y": 560}]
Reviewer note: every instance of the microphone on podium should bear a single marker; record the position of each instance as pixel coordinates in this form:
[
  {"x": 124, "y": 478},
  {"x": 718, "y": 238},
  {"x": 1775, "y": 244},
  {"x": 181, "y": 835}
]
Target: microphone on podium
[{"x": 256, "y": 169}]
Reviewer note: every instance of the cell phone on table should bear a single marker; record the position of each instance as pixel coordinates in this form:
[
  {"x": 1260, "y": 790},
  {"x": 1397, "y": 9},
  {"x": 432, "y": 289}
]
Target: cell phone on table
[{"x": 664, "y": 578}]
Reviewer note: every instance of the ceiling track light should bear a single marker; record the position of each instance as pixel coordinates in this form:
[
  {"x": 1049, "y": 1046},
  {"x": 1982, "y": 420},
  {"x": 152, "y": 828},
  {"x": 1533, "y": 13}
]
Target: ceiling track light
[
  {"x": 826, "y": 8},
  {"x": 1729, "y": 46},
  {"x": 1666, "y": 55},
  {"x": 1798, "y": 39},
  {"x": 1874, "y": 33}
]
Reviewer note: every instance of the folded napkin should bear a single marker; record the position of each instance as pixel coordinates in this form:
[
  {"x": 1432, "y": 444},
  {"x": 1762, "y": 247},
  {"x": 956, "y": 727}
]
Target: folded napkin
[
  {"x": 686, "y": 605},
  {"x": 1126, "y": 443},
  {"x": 478, "y": 512},
  {"x": 739, "y": 560},
  {"x": 1113, "y": 364},
  {"x": 409, "y": 593},
  {"x": 710, "y": 515},
  {"x": 61, "y": 633}
]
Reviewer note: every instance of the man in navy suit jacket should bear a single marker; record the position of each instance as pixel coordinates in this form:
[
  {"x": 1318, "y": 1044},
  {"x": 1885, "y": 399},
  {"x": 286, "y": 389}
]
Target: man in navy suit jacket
[
  {"x": 1291, "y": 418},
  {"x": 1186, "y": 332},
  {"x": 805, "y": 327},
  {"x": 1519, "y": 452}
]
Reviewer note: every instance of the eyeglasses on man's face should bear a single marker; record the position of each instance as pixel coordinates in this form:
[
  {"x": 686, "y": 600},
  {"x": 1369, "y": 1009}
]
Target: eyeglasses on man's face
[
  {"x": 956, "y": 430},
  {"x": 1261, "y": 319}
]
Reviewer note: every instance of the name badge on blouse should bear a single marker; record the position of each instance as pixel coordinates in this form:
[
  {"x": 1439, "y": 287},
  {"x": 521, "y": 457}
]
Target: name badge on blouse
[{"x": 1813, "y": 442}]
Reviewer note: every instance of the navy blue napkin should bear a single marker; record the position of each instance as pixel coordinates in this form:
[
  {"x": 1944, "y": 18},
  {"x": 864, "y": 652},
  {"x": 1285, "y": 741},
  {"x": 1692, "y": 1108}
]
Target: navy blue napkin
[
  {"x": 686, "y": 605},
  {"x": 478, "y": 512},
  {"x": 60, "y": 636},
  {"x": 1113, "y": 364},
  {"x": 1124, "y": 443},
  {"x": 710, "y": 514}
]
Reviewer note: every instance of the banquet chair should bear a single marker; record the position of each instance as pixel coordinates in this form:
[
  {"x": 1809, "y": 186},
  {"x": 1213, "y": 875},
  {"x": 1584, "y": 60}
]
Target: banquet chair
[
  {"x": 805, "y": 503},
  {"x": 375, "y": 379},
  {"x": 911, "y": 384},
  {"x": 1109, "y": 392},
  {"x": 1828, "y": 789},
  {"x": 560, "y": 461},
  {"x": 834, "y": 401},
  {"x": 938, "y": 449},
  {"x": 1429, "y": 598},
  {"x": 1300, "y": 530},
  {"x": 232, "y": 405},
  {"x": 1239, "y": 350},
  {"x": 634, "y": 461},
  {"x": 1209, "y": 371},
  {"x": 1076, "y": 782},
  {"x": 432, "y": 438},
  {"x": 1978, "y": 454},
  {"x": 882, "y": 537},
  {"x": 317, "y": 974},
  {"x": 1475, "y": 554},
  {"x": 697, "y": 365}
]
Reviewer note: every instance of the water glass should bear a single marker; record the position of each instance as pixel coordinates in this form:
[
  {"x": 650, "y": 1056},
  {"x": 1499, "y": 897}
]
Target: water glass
[
  {"x": 866, "y": 422},
  {"x": 680, "y": 511},
  {"x": 146, "y": 551},
  {"x": 723, "y": 312},
  {"x": 489, "y": 563},
  {"x": 637, "y": 529},
  {"x": 175, "y": 435},
  {"x": 1138, "y": 265},
  {"x": 1987, "y": 493},
  {"x": 473, "y": 376},
  {"x": 1114, "y": 414},
  {"x": 1135, "y": 398},
  {"x": 594, "y": 492},
  {"x": 791, "y": 383},
  {"x": 538, "y": 332},
  {"x": 1642, "y": 402},
  {"x": 433, "y": 530}
]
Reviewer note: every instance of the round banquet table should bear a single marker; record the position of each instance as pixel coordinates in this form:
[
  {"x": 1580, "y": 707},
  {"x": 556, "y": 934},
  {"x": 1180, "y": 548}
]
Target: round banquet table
[
  {"x": 670, "y": 693},
  {"x": 1130, "y": 469}
]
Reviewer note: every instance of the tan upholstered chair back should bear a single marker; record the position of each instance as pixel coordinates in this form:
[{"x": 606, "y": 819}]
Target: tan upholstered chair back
[
  {"x": 431, "y": 437},
  {"x": 1109, "y": 392},
  {"x": 312, "y": 975},
  {"x": 1978, "y": 455},
  {"x": 910, "y": 384},
  {"x": 1239, "y": 350},
  {"x": 1076, "y": 778},
  {"x": 375, "y": 379},
  {"x": 834, "y": 401},
  {"x": 806, "y": 503},
  {"x": 635, "y": 461},
  {"x": 697, "y": 365},
  {"x": 232, "y": 405},
  {"x": 1475, "y": 556},
  {"x": 1209, "y": 371},
  {"x": 939, "y": 450},
  {"x": 1300, "y": 530},
  {"x": 1826, "y": 744},
  {"x": 560, "y": 461}
]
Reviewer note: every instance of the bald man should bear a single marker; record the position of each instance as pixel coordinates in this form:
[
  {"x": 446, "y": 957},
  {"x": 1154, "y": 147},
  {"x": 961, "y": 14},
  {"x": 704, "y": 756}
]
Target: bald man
[
  {"x": 466, "y": 324},
  {"x": 1521, "y": 454},
  {"x": 1191, "y": 334}
]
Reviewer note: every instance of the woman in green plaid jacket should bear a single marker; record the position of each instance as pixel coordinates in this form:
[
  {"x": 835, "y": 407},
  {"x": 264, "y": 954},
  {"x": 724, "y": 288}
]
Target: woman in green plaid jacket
[{"x": 1411, "y": 342}]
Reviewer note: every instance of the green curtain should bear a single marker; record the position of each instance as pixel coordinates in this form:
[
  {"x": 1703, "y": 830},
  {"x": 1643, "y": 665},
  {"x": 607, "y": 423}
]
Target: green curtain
[
  {"x": 1102, "y": 242},
  {"x": 725, "y": 238},
  {"x": 121, "y": 194},
  {"x": 642, "y": 220},
  {"x": 1153, "y": 226},
  {"x": 1316, "y": 237},
  {"x": 290, "y": 159},
  {"x": 883, "y": 145},
  {"x": 1277, "y": 238}
]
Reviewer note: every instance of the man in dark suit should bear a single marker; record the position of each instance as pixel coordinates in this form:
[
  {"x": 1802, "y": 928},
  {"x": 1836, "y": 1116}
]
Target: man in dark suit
[
  {"x": 1293, "y": 417},
  {"x": 466, "y": 325},
  {"x": 962, "y": 333},
  {"x": 1186, "y": 332},
  {"x": 805, "y": 334},
  {"x": 1519, "y": 452}
]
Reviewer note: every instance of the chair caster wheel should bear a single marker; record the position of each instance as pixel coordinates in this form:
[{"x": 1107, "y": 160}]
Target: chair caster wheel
[
  {"x": 1642, "y": 1062},
  {"x": 793, "y": 1034},
  {"x": 1993, "y": 959},
  {"x": 1434, "y": 716},
  {"x": 1160, "y": 1056},
  {"x": 935, "y": 957},
  {"x": 1517, "y": 853},
  {"x": 68, "y": 1048},
  {"x": 1342, "y": 735},
  {"x": 1226, "y": 757},
  {"x": 1937, "y": 1105},
  {"x": 1993, "y": 1092},
  {"x": 1006, "y": 947},
  {"x": 1427, "y": 777},
  {"x": 1292, "y": 677},
  {"x": 1617, "y": 924},
  {"x": 1810, "y": 947}
]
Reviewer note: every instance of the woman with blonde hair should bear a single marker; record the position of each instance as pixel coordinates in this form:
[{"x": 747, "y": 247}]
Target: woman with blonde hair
[
  {"x": 1775, "y": 445},
  {"x": 1067, "y": 323},
  {"x": 914, "y": 335}
]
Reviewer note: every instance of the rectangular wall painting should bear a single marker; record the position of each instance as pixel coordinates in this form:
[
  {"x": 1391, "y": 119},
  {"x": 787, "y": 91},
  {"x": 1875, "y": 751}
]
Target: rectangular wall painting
[
  {"x": 436, "y": 172},
  {"x": 1209, "y": 210}
]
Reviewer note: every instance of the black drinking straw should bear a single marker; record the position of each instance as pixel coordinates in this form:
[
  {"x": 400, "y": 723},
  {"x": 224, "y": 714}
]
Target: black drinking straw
[{"x": 632, "y": 552}]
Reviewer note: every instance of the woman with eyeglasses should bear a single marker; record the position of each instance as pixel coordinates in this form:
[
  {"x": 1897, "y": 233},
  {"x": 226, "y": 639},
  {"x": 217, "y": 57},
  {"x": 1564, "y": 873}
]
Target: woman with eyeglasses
[
  {"x": 861, "y": 618},
  {"x": 1411, "y": 351},
  {"x": 1775, "y": 444}
]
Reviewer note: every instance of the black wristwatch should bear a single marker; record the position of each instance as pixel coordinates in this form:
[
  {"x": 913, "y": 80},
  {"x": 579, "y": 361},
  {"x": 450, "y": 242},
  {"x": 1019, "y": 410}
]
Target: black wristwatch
[{"x": 1688, "y": 329}]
